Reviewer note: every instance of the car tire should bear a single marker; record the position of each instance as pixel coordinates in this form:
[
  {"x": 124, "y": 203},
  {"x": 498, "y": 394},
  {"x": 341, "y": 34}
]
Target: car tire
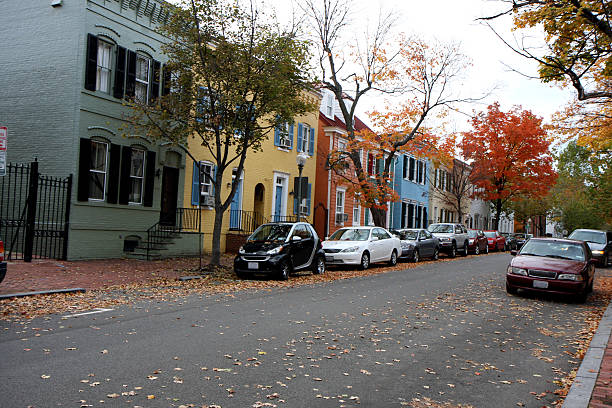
[
  {"x": 365, "y": 261},
  {"x": 453, "y": 251},
  {"x": 415, "y": 256},
  {"x": 319, "y": 266},
  {"x": 436, "y": 254},
  {"x": 510, "y": 290},
  {"x": 393, "y": 259},
  {"x": 477, "y": 250},
  {"x": 605, "y": 262},
  {"x": 465, "y": 249},
  {"x": 283, "y": 273}
]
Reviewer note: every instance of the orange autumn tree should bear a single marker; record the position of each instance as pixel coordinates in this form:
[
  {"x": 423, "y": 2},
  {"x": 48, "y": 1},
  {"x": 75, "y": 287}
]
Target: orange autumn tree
[{"x": 509, "y": 153}]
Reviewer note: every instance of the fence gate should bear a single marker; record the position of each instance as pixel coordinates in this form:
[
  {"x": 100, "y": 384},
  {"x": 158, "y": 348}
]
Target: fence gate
[{"x": 34, "y": 213}]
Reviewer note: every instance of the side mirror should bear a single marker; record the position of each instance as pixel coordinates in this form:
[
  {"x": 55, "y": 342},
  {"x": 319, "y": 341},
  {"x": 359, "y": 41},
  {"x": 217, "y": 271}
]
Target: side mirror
[
  {"x": 296, "y": 238},
  {"x": 513, "y": 252}
]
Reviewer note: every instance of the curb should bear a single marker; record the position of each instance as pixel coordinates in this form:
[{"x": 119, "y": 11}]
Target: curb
[
  {"x": 42, "y": 292},
  {"x": 581, "y": 390}
]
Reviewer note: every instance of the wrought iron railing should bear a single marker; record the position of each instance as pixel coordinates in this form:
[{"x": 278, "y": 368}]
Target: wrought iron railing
[
  {"x": 245, "y": 221},
  {"x": 284, "y": 218}
]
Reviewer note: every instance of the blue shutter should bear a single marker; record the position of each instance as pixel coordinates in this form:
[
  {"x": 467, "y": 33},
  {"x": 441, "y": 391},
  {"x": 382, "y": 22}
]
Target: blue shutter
[
  {"x": 299, "y": 138},
  {"x": 311, "y": 142},
  {"x": 295, "y": 204},
  {"x": 276, "y": 136},
  {"x": 308, "y": 199},
  {"x": 195, "y": 185},
  {"x": 291, "y": 136}
]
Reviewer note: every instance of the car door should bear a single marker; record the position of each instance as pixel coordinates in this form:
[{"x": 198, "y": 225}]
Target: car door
[
  {"x": 427, "y": 242},
  {"x": 379, "y": 244},
  {"x": 298, "y": 243},
  {"x": 309, "y": 243},
  {"x": 387, "y": 244}
]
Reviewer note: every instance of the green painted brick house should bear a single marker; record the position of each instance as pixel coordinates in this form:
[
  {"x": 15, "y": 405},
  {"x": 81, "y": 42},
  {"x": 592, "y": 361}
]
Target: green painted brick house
[{"x": 65, "y": 68}]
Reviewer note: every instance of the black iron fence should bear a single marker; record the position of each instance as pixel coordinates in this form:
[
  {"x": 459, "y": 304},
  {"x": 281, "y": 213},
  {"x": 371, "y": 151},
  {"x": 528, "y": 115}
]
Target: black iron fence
[
  {"x": 34, "y": 213},
  {"x": 245, "y": 221}
]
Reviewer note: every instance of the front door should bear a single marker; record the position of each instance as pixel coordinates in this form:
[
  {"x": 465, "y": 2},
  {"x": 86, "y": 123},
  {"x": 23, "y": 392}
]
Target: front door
[
  {"x": 169, "y": 196},
  {"x": 278, "y": 204},
  {"x": 236, "y": 206}
]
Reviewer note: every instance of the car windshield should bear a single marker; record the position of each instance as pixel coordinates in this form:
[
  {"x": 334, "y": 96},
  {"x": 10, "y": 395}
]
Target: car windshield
[
  {"x": 270, "y": 233},
  {"x": 553, "y": 249},
  {"x": 489, "y": 234},
  {"x": 589, "y": 236},
  {"x": 350, "y": 234},
  {"x": 441, "y": 228},
  {"x": 472, "y": 233},
  {"x": 408, "y": 235}
]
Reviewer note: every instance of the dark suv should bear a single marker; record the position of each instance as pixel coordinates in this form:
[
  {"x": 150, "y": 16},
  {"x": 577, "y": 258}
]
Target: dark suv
[
  {"x": 280, "y": 248},
  {"x": 599, "y": 241}
]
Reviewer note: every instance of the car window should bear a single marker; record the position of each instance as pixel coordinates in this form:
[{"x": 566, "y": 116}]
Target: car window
[
  {"x": 490, "y": 234},
  {"x": 554, "y": 249},
  {"x": 427, "y": 235},
  {"x": 382, "y": 234},
  {"x": 302, "y": 231},
  {"x": 410, "y": 235},
  {"x": 595, "y": 237},
  {"x": 270, "y": 233},
  {"x": 442, "y": 228},
  {"x": 351, "y": 234}
]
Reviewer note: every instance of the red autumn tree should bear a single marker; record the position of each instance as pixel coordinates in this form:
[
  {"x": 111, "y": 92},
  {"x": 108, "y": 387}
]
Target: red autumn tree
[{"x": 510, "y": 156}]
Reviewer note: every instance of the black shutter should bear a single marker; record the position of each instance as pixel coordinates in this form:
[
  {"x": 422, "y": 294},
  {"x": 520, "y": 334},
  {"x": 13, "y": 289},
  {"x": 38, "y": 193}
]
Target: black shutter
[
  {"x": 119, "y": 73},
  {"x": 154, "y": 94},
  {"x": 166, "y": 80},
  {"x": 84, "y": 167},
  {"x": 403, "y": 220},
  {"x": 425, "y": 220},
  {"x": 126, "y": 186},
  {"x": 149, "y": 186},
  {"x": 411, "y": 174},
  {"x": 112, "y": 182},
  {"x": 130, "y": 83},
  {"x": 91, "y": 63},
  {"x": 405, "y": 173},
  {"x": 420, "y": 167},
  {"x": 410, "y": 215}
]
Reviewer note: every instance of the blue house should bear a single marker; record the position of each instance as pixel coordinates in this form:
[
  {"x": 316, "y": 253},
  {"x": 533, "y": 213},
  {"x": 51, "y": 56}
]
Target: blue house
[{"x": 411, "y": 183}]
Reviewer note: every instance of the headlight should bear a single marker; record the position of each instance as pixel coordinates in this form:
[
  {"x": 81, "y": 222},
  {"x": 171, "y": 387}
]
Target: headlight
[
  {"x": 517, "y": 271},
  {"x": 598, "y": 252},
  {"x": 445, "y": 239},
  {"x": 351, "y": 249},
  {"x": 241, "y": 250},
  {"x": 570, "y": 276},
  {"x": 275, "y": 251}
]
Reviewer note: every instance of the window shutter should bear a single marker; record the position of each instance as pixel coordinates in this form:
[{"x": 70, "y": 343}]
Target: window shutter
[
  {"x": 91, "y": 63},
  {"x": 425, "y": 220},
  {"x": 411, "y": 170},
  {"x": 311, "y": 142},
  {"x": 119, "y": 85},
  {"x": 154, "y": 93},
  {"x": 149, "y": 186},
  {"x": 308, "y": 199},
  {"x": 410, "y": 215},
  {"x": 276, "y": 136},
  {"x": 113, "y": 174},
  {"x": 295, "y": 204},
  {"x": 291, "y": 136},
  {"x": 424, "y": 172},
  {"x": 130, "y": 82},
  {"x": 125, "y": 186},
  {"x": 403, "y": 219},
  {"x": 166, "y": 80},
  {"x": 195, "y": 185},
  {"x": 84, "y": 167},
  {"x": 405, "y": 168},
  {"x": 420, "y": 171},
  {"x": 299, "y": 137}
]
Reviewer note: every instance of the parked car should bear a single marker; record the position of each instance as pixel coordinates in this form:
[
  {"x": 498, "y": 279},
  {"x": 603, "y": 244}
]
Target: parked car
[
  {"x": 361, "y": 246},
  {"x": 599, "y": 241},
  {"x": 280, "y": 248},
  {"x": 477, "y": 242},
  {"x": 453, "y": 238},
  {"x": 2, "y": 263},
  {"x": 554, "y": 265},
  {"x": 510, "y": 241},
  {"x": 521, "y": 239},
  {"x": 497, "y": 242},
  {"x": 417, "y": 243}
]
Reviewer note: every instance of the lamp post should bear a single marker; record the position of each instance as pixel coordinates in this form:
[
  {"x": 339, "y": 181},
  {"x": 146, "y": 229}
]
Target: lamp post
[{"x": 300, "y": 160}]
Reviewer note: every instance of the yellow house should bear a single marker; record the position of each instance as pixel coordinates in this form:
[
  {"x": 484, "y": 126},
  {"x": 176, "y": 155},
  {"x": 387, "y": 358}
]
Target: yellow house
[{"x": 266, "y": 190}]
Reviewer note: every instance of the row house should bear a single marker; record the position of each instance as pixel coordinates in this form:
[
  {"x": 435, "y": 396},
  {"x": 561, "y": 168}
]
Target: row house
[
  {"x": 411, "y": 183},
  {"x": 67, "y": 68}
]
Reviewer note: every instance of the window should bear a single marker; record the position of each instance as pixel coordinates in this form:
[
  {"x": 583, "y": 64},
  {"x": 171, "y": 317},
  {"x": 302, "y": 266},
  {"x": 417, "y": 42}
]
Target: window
[
  {"x": 97, "y": 170},
  {"x": 285, "y": 135},
  {"x": 142, "y": 78},
  {"x": 103, "y": 67},
  {"x": 356, "y": 215},
  {"x": 329, "y": 105},
  {"x": 340, "y": 195},
  {"x": 411, "y": 175},
  {"x": 371, "y": 161},
  {"x": 206, "y": 182},
  {"x": 341, "y": 145},
  {"x": 305, "y": 138},
  {"x": 136, "y": 176}
]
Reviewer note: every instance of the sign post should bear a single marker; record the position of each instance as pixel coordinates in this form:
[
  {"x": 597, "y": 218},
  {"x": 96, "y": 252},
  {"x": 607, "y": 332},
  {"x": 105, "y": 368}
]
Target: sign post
[{"x": 3, "y": 137}]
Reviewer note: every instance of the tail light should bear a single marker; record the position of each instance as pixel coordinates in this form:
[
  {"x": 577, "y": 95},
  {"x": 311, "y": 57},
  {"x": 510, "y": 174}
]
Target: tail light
[{"x": 1, "y": 251}]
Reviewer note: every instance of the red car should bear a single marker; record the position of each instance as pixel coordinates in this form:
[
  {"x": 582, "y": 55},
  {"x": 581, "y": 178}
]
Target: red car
[
  {"x": 477, "y": 242},
  {"x": 561, "y": 266},
  {"x": 497, "y": 242}
]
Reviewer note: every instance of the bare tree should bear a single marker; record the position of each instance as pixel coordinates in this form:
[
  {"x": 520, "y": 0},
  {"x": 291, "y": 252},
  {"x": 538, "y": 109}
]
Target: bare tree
[{"x": 453, "y": 186}]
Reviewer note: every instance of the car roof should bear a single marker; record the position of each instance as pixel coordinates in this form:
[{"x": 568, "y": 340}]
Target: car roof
[
  {"x": 589, "y": 230},
  {"x": 571, "y": 241},
  {"x": 361, "y": 227}
]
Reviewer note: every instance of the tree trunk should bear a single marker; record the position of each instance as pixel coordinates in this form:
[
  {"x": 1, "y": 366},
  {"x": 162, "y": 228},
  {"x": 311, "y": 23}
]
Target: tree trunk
[
  {"x": 379, "y": 217},
  {"x": 216, "y": 238},
  {"x": 498, "y": 209}
]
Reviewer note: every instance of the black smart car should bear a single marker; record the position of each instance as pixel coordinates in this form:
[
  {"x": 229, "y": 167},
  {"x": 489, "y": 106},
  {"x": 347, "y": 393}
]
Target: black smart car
[{"x": 280, "y": 248}]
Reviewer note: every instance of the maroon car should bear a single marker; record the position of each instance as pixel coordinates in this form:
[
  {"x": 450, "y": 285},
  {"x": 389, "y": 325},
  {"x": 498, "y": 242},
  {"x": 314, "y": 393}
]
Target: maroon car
[
  {"x": 497, "y": 242},
  {"x": 561, "y": 266},
  {"x": 477, "y": 242}
]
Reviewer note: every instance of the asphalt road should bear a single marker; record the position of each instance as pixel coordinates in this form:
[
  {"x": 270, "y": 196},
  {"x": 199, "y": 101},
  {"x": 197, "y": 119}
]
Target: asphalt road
[{"x": 445, "y": 331}]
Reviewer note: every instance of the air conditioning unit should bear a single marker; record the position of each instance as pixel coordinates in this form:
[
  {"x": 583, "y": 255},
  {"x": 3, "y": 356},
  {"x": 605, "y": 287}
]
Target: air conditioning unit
[
  {"x": 341, "y": 218},
  {"x": 208, "y": 201},
  {"x": 284, "y": 142}
]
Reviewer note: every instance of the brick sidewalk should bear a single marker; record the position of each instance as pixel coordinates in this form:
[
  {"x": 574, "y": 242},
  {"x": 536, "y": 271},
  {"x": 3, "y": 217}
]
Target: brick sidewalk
[
  {"x": 99, "y": 274},
  {"x": 602, "y": 393}
]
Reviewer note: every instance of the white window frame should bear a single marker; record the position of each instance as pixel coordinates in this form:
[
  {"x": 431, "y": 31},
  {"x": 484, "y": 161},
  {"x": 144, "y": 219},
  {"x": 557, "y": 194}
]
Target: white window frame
[
  {"x": 329, "y": 106},
  {"x": 305, "y": 137},
  {"x": 99, "y": 171},
  {"x": 342, "y": 145},
  {"x": 142, "y": 82},
  {"x": 284, "y": 183},
  {"x": 103, "y": 66},
  {"x": 357, "y": 219},
  {"x": 134, "y": 178},
  {"x": 340, "y": 192},
  {"x": 283, "y": 136},
  {"x": 206, "y": 186}
]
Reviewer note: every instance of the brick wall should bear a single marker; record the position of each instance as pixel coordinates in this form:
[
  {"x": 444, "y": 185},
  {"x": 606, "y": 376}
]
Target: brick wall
[{"x": 233, "y": 242}]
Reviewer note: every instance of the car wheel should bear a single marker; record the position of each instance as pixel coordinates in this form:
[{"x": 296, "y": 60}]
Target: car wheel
[
  {"x": 510, "y": 290},
  {"x": 453, "y": 251},
  {"x": 319, "y": 266},
  {"x": 283, "y": 274},
  {"x": 477, "y": 250},
  {"x": 465, "y": 249},
  {"x": 415, "y": 256},
  {"x": 365, "y": 261},
  {"x": 436, "y": 254},
  {"x": 393, "y": 259}
]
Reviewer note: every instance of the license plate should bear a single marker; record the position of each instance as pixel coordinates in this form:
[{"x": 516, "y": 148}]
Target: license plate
[
  {"x": 253, "y": 265},
  {"x": 329, "y": 258},
  {"x": 540, "y": 284}
]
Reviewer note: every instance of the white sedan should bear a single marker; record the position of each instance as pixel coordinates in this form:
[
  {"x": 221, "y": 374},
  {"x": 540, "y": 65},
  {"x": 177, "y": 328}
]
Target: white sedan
[{"x": 361, "y": 246}]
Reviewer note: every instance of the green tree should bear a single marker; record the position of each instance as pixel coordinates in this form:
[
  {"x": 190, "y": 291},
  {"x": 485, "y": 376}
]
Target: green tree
[{"x": 235, "y": 76}]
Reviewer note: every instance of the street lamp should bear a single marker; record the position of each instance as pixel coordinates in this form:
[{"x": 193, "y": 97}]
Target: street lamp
[{"x": 301, "y": 161}]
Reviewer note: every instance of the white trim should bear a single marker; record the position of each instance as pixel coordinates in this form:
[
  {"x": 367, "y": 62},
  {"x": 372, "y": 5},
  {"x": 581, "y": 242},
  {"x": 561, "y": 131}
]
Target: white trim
[
  {"x": 105, "y": 172},
  {"x": 285, "y": 184}
]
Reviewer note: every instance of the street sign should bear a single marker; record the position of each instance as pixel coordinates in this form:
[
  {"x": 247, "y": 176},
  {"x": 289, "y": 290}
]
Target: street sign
[{"x": 3, "y": 137}]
